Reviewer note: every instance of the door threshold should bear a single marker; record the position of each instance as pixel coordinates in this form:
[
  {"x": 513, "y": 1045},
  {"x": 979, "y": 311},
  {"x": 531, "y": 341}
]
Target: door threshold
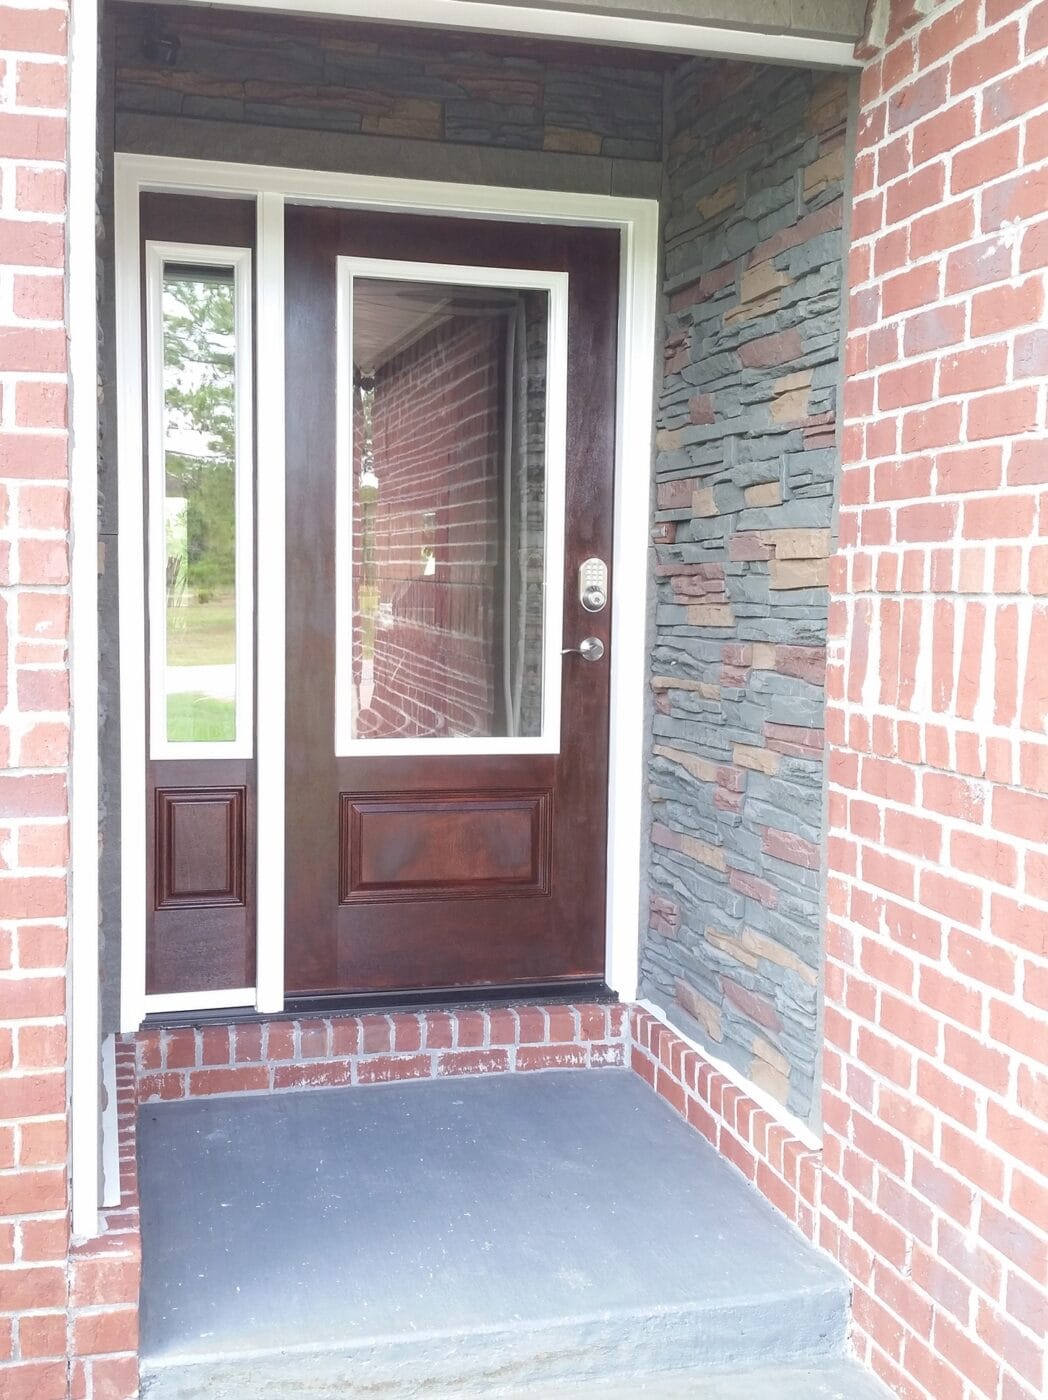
[{"x": 380, "y": 1003}]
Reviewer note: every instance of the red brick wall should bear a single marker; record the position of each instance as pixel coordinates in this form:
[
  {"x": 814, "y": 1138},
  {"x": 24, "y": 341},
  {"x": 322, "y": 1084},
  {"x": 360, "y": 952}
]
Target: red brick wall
[
  {"x": 933, "y": 1191},
  {"x": 34, "y": 609}
]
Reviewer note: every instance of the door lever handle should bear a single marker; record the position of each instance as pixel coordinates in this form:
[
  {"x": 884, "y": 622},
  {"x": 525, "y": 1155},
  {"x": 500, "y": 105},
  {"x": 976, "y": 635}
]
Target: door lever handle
[{"x": 590, "y": 649}]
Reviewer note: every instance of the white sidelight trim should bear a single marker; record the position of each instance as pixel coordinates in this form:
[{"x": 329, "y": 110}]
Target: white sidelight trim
[
  {"x": 635, "y": 31},
  {"x": 84, "y": 900},
  {"x": 269, "y": 593},
  {"x": 555, "y": 284},
  {"x": 637, "y": 221},
  {"x": 224, "y": 999},
  {"x": 158, "y": 258}
]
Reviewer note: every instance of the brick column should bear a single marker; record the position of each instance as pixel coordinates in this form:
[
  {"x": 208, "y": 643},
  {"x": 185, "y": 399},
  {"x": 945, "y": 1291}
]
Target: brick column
[
  {"x": 936, "y": 983},
  {"x": 34, "y": 696}
]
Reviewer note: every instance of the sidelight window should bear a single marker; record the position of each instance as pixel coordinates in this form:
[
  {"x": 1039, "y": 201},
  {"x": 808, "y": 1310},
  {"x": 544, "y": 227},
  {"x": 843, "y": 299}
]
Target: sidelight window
[{"x": 198, "y": 327}]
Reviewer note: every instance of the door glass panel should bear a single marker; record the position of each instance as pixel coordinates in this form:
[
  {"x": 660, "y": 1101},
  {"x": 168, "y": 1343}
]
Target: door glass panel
[
  {"x": 200, "y": 503},
  {"x": 448, "y": 506}
]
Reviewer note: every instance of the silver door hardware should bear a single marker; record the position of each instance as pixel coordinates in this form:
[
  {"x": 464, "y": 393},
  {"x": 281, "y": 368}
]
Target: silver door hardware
[
  {"x": 593, "y": 584},
  {"x": 590, "y": 649}
]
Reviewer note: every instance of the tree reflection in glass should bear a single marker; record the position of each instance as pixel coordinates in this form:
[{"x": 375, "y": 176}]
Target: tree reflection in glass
[{"x": 200, "y": 502}]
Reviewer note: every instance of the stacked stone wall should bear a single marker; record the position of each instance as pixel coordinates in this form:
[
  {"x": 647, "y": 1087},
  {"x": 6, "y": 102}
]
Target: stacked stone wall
[
  {"x": 458, "y": 89},
  {"x": 745, "y": 474}
]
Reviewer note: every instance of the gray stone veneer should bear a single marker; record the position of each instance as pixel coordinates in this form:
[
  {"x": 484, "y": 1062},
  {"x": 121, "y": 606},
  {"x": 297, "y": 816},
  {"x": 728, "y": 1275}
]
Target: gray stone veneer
[
  {"x": 420, "y": 85},
  {"x": 745, "y": 477}
]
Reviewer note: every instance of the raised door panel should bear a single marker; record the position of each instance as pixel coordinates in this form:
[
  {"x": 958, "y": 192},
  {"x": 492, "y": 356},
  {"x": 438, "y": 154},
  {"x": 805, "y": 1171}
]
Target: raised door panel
[
  {"x": 465, "y": 845},
  {"x": 201, "y": 847}
]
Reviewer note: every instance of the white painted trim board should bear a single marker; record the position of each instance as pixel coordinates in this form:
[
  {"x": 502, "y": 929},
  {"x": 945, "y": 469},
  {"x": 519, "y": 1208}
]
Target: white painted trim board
[
  {"x": 637, "y": 221},
  {"x": 555, "y": 284},
  {"x": 84, "y": 898}
]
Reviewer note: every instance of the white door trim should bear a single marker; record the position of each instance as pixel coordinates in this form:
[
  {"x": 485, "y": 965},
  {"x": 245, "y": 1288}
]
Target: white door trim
[
  {"x": 555, "y": 285},
  {"x": 634, "y": 31},
  {"x": 637, "y": 220}
]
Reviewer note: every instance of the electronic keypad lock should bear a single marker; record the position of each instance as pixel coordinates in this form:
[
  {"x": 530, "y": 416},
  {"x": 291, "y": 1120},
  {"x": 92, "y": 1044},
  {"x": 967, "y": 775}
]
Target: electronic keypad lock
[{"x": 593, "y": 585}]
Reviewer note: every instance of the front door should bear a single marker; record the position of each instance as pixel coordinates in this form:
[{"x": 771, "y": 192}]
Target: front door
[{"x": 450, "y": 450}]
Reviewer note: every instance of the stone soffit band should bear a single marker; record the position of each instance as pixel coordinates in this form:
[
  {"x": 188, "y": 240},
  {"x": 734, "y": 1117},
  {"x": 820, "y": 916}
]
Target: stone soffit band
[{"x": 778, "y": 31}]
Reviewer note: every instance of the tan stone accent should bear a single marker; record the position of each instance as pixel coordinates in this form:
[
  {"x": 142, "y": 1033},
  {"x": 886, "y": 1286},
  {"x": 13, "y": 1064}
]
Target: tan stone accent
[
  {"x": 827, "y": 170},
  {"x": 792, "y": 395},
  {"x": 761, "y": 946},
  {"x": 733, "y": 947},
  {"x": 762, "y": 280},
  {"x": 765, "y": 493},
  {"x": 411, "y": 116},
  {"x": 759, "y": 292},
  {"x": 763, "y": 656},
  {"x": 770, "y": 1054},
  {"x": 566, "y": 138},
  {"x": 791, "y": 407},
  {"x": 703, "y": 854},
  {"x": 710, "y": 615},
  {"x": 668, "y": 439},
  {"x": 702, "y": 502},
  {"x": 706, "y": 689},
  {"x": 701, "y": 1009},
  {"x": 799, "y": 573},
  {"x": 801, "y": 379},
  {"x": 772, "y": 1081},
  {"x": 759, "y": 760},
  {"x": 700, "y": 768},
  {"x": 716, "y": 203},
  {"x": 798, "y": 544}
]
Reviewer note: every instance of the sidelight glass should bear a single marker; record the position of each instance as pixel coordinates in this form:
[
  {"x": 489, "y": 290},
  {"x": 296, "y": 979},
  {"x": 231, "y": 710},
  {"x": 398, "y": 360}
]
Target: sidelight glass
[
  {"x": 200, "y": 382},
  {"x": 448, "y": 512}
]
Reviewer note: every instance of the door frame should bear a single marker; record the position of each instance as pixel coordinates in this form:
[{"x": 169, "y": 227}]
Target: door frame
[{"x": 637, "y": 221}]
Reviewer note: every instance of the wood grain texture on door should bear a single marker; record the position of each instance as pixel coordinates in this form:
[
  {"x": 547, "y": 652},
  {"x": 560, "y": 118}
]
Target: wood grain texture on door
[
  {"x": 442, "y": 872},
  {"x": 465, "y": 845}
]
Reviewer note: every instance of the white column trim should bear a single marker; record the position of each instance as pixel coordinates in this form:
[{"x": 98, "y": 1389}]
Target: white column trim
[
  {"x": 83, "y": 920},
  {"x": 132, "y": 611}
]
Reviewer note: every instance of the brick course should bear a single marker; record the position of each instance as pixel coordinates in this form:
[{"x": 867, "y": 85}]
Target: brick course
[
  {"x": 258, "y": 1057},
  {"x": 937, "y": 922},
  {"x": 931, "y": 1189},
  {"x": 34, "y": 723}
]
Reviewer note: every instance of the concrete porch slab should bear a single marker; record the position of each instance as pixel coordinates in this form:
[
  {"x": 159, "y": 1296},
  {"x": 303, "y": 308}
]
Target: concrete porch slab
[
  {"x": 835, "y": 1379},
  {"x": 475, "y": 1235}
]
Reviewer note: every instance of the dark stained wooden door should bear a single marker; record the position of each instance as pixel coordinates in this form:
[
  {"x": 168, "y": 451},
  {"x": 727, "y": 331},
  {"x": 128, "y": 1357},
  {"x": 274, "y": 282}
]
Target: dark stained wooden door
[{"x": 411, "y": 872}]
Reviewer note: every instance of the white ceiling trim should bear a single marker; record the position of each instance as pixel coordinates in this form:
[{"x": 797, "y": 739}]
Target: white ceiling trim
[{"x": 708, "y": 40}]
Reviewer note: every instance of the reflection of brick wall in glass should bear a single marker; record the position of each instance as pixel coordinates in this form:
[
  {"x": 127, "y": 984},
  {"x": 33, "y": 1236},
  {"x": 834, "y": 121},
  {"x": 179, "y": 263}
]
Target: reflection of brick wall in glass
[{"x": 448, "y": 531}]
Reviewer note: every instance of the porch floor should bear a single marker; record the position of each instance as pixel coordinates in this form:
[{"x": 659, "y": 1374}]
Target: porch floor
[{"x": 472, "y": 1235}]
